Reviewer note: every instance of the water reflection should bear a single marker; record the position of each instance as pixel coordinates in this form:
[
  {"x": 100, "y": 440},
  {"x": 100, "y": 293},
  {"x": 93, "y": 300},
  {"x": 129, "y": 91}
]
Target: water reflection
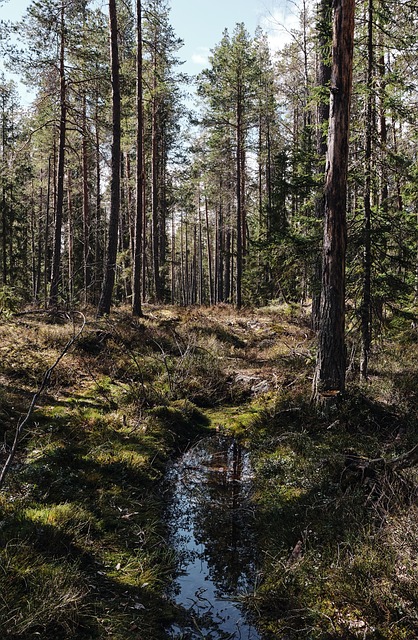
[{"x": 210, "y": 519}]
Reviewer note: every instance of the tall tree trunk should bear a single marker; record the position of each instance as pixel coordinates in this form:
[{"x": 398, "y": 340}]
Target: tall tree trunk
[
  {"x": 366, "y": 304},
  {"x": 194, "y": 273},
  {"x": 228, "y": 250},
  {"x": 86, "y": 206},
  {"x": 46, "y": 237},
  {"x": 324, "y": 31},
  {"x": 70, "y": 242},
  {"x": 211, "y": 287},
  {"x": 240, "y": 221},
  {"x": 154, "y": 182},
  {"x": 220, "y": 244},
  {"x": 56, "y": 258},
  {"x": 173, "y": 259},
  {"x": 112, "y": 246},
  {"x": 331, "y": 359},
  {"x": 136, "y": 285},
  {"x": 201, "y": 293},
  {"x": 3, "y": 193},
  {"x": 186, "y": 264},
  {"x": 39, "y": 242},
  {"x": 182, "y": 277},
  {"x": 98, "y": 206},
  {"x": 4, "y": 236},
  {"x": 33, "y": 242}
]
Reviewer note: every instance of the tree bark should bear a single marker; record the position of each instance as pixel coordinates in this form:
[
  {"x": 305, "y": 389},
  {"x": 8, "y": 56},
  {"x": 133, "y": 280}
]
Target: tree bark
[
  {"x": 56, "y": 259},
  {"x": 211, "y": 287},
  {"x": 154, "y": 182},
  {"x": 137, "y": 266},
  {"x": 46, "y": 235},
  {"x": 366, "y": 305},
  {"x": 70, "y": 241},
  {"x": 110, "y": 270},
  {"x": 331, "y": 360},
  {"x": 240, "y": 221},
  {"x": 98, "y": 206},
  {"x": 86, "y": 206},
  {"x": 3, "y": 197},
  {"x": 322, "y": 116}
]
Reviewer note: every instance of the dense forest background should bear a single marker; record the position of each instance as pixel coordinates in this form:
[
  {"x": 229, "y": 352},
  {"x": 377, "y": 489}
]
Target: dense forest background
[{"x": 218, "y": 203}]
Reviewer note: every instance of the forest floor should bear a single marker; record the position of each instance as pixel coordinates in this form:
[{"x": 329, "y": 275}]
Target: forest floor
[{"x": 83, "y": 549}]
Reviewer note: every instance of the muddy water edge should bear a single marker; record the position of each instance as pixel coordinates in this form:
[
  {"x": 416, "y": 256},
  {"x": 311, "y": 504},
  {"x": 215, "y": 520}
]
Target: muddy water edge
[{"x": 211, "y": 524}]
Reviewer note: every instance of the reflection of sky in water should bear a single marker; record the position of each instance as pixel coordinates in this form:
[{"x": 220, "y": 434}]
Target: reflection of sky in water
[{"x": 210, "y": 522}]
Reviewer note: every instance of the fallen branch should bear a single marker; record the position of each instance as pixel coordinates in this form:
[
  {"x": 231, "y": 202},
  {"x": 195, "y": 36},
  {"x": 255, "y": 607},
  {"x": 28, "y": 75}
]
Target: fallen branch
[
  {"x": 47, "y": 375},
  {"x": 406, "y": 460},
  {"x": 388, "y": 486}
]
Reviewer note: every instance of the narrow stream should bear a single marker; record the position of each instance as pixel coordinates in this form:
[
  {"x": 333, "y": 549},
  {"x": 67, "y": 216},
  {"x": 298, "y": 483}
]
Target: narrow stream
[{"x": 210, "y": 518}]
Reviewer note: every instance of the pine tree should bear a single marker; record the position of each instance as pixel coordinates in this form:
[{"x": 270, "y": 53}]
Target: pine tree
[
  {"x": 331, "y": 359},
  {"x": 110, "y": 267},
  {"x": 229, "y": 89}
]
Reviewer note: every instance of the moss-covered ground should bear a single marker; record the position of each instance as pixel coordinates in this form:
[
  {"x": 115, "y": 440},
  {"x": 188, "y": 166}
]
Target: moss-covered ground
[{"x": 83, "y": 552}]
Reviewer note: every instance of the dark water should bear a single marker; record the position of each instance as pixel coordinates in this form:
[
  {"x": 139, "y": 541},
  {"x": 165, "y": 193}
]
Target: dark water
[{"x": 210, "y": 519}]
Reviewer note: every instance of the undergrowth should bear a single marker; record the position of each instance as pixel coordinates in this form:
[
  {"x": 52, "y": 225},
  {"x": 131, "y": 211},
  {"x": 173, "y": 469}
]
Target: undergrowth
[
  {"x": 335, "y": 566},
  {"x": 83, "y": 550}
]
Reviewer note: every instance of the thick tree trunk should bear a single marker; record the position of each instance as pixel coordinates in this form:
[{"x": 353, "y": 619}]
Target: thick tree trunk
[
  {"x": 110, "y": 270},
  {"x": 331, "y": 359}
]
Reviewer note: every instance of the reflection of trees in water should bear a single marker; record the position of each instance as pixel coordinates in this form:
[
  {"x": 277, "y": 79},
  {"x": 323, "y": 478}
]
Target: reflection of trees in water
[
  {"x": 223, "y": 520},
  {"x": 212, "y": 520}
]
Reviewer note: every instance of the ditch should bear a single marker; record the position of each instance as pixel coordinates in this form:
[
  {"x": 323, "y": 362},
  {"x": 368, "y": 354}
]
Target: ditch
[{"x": 210, "y": 517}]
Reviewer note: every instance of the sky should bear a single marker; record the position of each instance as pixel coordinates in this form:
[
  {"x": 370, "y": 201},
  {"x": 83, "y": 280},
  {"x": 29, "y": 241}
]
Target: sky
[{"x": 200, "y": 24}]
